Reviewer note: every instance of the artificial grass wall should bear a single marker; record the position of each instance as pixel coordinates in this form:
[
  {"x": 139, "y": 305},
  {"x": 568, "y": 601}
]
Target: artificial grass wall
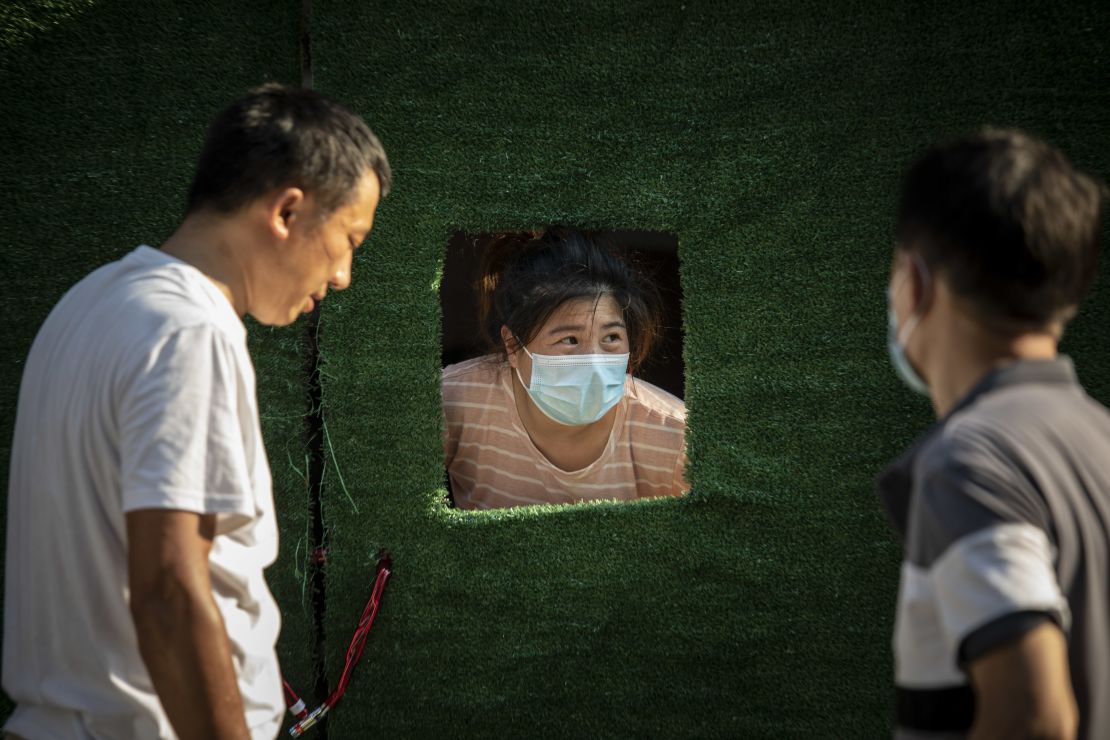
[
  {"x": 104, "y": 106},
  {"x": 769, "y": 137}
]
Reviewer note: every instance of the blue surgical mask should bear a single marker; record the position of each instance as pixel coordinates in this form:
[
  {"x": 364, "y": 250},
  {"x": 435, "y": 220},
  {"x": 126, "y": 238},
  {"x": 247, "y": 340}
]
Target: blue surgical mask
[
  {"x": 896, "y": 347},
  {"x": 576, "y": 389}
]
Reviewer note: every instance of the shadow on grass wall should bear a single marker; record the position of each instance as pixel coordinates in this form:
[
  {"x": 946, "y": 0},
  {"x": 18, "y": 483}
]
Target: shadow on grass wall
[{"x": 768, "y": 137}]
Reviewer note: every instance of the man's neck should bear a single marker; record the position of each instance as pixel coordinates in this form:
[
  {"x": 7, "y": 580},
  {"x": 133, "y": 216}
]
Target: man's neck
[
  {"x": 954, "y": 374},
  {"x": 207, "y": 242}
]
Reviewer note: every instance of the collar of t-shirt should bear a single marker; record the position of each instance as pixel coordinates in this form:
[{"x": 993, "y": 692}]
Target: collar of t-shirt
[
  {"x": 150, "y": 257},
  {"x": 894, "y": 485}
]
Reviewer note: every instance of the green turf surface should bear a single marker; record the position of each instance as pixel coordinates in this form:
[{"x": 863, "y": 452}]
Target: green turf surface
[{"x": 769, "y": 137}]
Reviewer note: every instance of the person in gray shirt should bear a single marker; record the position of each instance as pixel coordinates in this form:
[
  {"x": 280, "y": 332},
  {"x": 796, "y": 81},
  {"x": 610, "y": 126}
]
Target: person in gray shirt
[{"x": 1003, "y": 618}]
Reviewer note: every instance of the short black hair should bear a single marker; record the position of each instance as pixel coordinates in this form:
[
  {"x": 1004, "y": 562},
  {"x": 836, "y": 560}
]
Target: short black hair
[
  {"x": 527, "y": 276},
  {"x": 1008, "y": 221},
  {"x": 278, "y": 136}
]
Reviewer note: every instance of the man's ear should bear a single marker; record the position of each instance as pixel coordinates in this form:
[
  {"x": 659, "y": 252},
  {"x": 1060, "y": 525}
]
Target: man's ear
[
  {"x": 283, "y": 209},
  {"x": 510, "y": 343}
]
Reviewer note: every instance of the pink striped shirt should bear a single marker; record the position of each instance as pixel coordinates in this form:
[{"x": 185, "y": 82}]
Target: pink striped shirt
[{"x": 493, "y": 463}]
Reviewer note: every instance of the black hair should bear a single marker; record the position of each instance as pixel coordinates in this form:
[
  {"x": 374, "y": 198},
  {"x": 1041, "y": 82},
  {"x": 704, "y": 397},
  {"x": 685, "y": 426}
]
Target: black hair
[
  {"x": 278, "y": 136},
  {"x": 1010, "y": 224},
  {"x": 527, "y": 276}
]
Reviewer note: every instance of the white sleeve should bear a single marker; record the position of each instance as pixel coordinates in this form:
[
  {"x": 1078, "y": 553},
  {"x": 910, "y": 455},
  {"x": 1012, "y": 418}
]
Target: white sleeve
[
  {"x": 995, "y": 572},
  {"x": 181, "y": 443}
]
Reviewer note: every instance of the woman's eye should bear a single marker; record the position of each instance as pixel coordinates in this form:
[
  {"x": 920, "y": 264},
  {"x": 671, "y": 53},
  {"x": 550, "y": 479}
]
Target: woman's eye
[{"x": 568, "y": 340}]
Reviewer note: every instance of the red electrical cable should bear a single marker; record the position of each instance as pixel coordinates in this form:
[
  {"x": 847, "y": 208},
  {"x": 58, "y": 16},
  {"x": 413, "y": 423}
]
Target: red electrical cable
[
  {"x": 293, "y": 702},
  {"x": 354, "y": 653},
  {"x": 358, "y": 640}
]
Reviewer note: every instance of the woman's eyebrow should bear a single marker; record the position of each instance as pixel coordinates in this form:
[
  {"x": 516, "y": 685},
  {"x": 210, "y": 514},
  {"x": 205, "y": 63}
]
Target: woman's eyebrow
[
  {"x": 567, "y": 327},
  {"x": 581, "y": 327}
]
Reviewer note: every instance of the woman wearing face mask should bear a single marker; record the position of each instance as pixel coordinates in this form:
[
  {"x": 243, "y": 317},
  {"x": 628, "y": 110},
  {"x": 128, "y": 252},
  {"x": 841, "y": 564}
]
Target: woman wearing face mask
[{"x": 553, "y": 415}]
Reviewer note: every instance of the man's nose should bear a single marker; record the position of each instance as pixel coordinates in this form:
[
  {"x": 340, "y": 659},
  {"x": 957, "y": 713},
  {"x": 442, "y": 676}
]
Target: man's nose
[{"x": 341, "y": 278}]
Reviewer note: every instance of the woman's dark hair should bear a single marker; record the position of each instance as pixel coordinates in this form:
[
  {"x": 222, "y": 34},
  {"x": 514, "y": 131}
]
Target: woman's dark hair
[
  {"x": 278, "y": 136},
  {"x": 526, "y": 277}
]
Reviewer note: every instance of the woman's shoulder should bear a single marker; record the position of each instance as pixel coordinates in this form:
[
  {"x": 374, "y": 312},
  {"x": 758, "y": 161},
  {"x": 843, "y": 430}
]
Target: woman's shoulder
[
  {"x": 468, "y": 376},
  {"x": 485, "y": 368},
  {"x": 650, "y": 404}
]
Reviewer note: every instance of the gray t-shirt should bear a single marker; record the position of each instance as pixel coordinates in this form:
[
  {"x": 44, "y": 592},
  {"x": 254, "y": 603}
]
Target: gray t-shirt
[{"x": 1004, "y": 509}]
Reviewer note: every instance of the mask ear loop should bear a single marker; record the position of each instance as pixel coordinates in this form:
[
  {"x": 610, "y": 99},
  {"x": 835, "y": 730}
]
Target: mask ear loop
[
  {"x": 918, "y": 312},
  {"x": 527, "y": 386}
]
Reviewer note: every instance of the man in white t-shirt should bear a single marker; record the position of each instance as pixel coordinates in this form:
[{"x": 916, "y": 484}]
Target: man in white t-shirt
[{"x": 140, "y": 512}]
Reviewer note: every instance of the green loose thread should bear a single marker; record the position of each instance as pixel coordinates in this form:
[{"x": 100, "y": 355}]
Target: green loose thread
[
  {"x": 299, "y": 575},
  {"x": 338, "y": 472},
  {"x": 300, "y": 474}
]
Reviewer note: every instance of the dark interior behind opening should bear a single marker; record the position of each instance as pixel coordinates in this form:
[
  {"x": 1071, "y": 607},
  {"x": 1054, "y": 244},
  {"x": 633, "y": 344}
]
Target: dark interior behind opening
[{"x": 654, "y": 253}]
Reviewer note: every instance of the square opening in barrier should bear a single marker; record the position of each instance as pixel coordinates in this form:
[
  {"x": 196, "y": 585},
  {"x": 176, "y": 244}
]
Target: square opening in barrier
[{"x": 653, "y": 255}]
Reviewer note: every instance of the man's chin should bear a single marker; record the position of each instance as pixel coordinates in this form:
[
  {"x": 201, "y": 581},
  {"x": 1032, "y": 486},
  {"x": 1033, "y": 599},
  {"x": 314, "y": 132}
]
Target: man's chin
[
  {"x": 304, "y": 310},
  {"x": 276, "y": 319}
]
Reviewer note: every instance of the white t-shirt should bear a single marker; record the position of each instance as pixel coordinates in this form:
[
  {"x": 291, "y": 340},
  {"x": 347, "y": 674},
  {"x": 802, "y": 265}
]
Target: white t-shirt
[{"x": 138, "y": 393}]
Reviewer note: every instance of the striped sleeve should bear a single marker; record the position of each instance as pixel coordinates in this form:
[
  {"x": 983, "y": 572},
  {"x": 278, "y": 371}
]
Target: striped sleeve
[
  {"x": 979, "y": 532},
  {"x": 998, "y": 572},
  {"x": 679, "y": 480},
  {"x": 656, "y": 430},
  {"x": 450, "y": 428}
]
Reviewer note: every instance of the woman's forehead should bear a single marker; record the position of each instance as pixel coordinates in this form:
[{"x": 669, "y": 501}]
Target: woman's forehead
[{"x": 585, "y": 311}]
